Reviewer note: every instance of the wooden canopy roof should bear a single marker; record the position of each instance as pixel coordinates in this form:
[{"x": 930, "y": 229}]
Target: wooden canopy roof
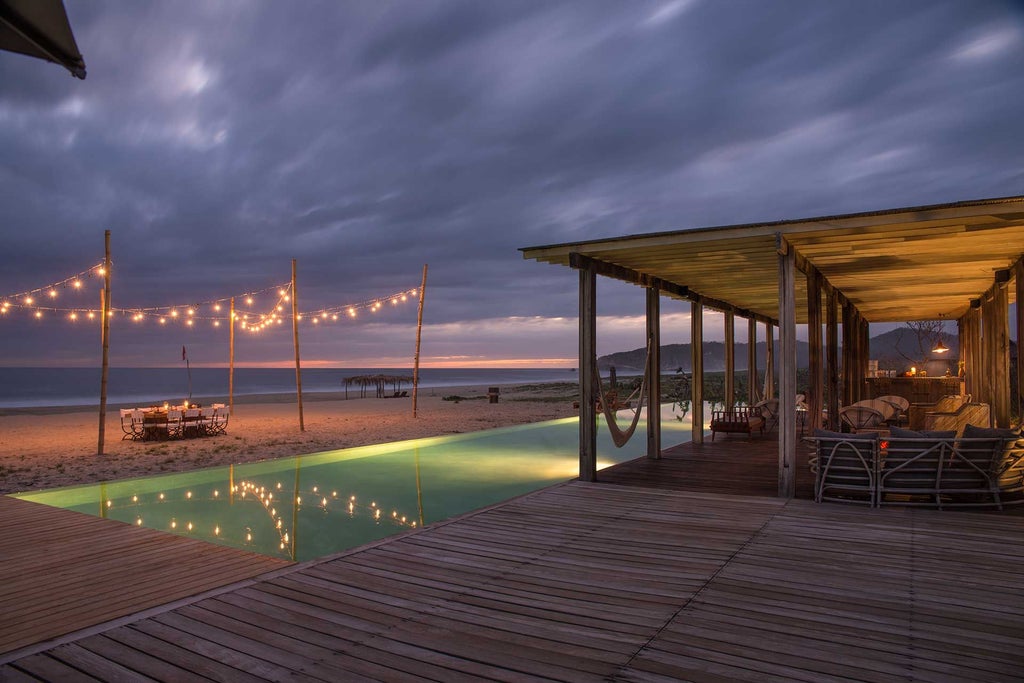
[{"x": 919, "y": 263}]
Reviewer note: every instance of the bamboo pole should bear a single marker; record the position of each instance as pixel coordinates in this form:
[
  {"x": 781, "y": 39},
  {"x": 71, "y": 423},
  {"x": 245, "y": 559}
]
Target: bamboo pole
[
  {"x": 419, "y": 336},
  {"x": 295, "y": 335},
  {"x": 105, "y": 339},
  {"x": 231, "y": 360}
]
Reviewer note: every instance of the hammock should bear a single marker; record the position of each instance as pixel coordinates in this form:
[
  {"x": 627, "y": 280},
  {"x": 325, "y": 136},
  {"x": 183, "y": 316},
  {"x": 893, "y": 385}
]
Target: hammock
[{"x": 619, "y": 436}]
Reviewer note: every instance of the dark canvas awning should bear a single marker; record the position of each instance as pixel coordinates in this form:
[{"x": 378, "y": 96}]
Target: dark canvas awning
[{"x": 40, "y": 28}]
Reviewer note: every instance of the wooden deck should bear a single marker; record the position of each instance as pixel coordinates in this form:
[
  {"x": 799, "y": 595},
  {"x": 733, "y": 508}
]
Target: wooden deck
[
  {"x": 61, "y": 571},
  {"x": 599, "y": 582},
  {"x": 732, "y": 464}
]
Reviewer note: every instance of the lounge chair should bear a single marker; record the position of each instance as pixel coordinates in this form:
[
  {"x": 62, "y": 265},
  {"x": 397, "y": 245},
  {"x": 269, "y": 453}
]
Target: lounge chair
[
  {"x": 862, "y": 418},
  {"x": 911, "y": 469},
  {"x": 769, "y": 409},
  {"x": 900, "y": 404}
]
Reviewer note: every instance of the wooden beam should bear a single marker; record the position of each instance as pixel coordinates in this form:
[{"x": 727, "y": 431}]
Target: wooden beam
[
  {"x": 697, "y": 366},
  {"x": 865, "y": 354},
  {"x": 616, "y": 272},
  {"x": 730, "y": 359},
  {"x": 787, "y": 372},
  {"x": 588, "y": 373},
  {"x": 769, "y": 370},
  {"x": 654, "y": 370},
  {"x": 815, "y": 377}
]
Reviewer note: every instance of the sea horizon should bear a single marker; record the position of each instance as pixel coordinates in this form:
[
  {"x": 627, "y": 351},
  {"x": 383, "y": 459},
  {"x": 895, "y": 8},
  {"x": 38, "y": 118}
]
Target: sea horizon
[{"x": 55, "y": 387}]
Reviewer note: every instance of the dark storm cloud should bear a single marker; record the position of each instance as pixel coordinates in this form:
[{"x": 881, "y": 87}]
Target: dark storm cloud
[{"x": 220, "y": 140}]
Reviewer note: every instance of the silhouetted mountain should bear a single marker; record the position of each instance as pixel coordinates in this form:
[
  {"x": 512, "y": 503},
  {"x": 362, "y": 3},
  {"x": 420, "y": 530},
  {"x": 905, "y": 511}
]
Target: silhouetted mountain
[
  {"x": 896, "y": 350},
  {"x": 675, "y": 356}
]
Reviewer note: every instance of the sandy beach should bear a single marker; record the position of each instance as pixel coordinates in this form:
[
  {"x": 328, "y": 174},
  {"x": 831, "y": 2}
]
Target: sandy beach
[{"x": 44, "y": 448}]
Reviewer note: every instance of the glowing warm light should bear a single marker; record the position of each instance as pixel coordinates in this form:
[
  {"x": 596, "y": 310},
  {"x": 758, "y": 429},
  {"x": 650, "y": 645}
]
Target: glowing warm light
[
  {"x": 191, "y": 311},
  {"x": 216, "y": 307},
  {"x": 161, "y": 496},
  {"x": 248, "y": 300},
  {"x": 189, "y": 526},
  {"x": 52, "y": 293},
  {"x": 91, "y": 315},
  {"x": 352, "y": 312},
  {"x": 28, "y": 300},
  {"x": 174, "y": 525},
  {"x": 163, "y": 321},
  {"x": 248, "y": 537},
  {"x": 188, "y": 322},
  {"x": 101, "y": 271},
  {"x": 216, "y": 323},
  {"x": 188, "y": 494},
  {"x": 138, "y": 522},
  {"x": 109, "y": 503},
  {"x": 174, "y": 314},
  {"x": 216, "y": 531},
  {"x": 135, "y": 499},
  {"x": 39, "y": 314},
  {"x": 73, "y": 316},
  {"x": 77, "y": 284}
]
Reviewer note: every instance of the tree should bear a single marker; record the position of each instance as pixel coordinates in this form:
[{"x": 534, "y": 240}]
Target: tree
[{"x": 926, "y": 334}]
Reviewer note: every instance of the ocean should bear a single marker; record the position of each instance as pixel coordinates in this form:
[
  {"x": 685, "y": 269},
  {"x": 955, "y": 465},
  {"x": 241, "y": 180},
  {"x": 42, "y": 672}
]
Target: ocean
[{"x": 54, "y": 387}]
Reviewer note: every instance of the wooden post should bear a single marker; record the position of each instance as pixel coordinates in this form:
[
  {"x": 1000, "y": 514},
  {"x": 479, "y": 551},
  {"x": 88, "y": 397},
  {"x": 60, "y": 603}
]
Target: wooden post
[
  {"x": 588, "y": 373},
  {"x": 1000, "y": 372},
  {"x": 864, "y": 346},
  {"x": 419, "y": 335},
  {"x": 769, "y": 370},
  {"x": 730, "y": 359},
  {"x": 815, "y": 378},
  {"x": 787, "y": 369},
  {"x": 848, "y": 353},
  {"x": 295, "y": 334},
  {"x": 832, "y": 358},
  {"x": 987, "y": 365},
  {"x": 231, "y": 359},
  {"x": 654, "y": 373},
  {"x": 752, "y": 395},
  {"x": 697, "y": 368},
  {"x": 1019, "y": 277},
  {"x": 104, "y": 340}
]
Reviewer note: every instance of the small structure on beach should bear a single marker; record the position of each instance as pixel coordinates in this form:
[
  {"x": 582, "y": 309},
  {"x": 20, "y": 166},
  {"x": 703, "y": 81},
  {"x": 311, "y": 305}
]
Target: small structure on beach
[{"x": 380, "y": 383}]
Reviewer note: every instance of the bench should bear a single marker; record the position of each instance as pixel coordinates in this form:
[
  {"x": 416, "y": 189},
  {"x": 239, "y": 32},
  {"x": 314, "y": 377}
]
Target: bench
[{"x": 737, "y": 421}]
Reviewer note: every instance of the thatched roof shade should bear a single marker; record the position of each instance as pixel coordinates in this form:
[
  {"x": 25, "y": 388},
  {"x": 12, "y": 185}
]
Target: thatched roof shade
[{"x": 920, "y": 263}]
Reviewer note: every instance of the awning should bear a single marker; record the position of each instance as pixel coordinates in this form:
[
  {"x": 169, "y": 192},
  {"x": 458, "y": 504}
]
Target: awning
[{"x": 40, "y": 28}]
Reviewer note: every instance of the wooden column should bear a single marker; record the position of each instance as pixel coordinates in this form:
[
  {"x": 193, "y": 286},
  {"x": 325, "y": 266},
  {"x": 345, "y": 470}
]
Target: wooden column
[
  {"x": 1019, "y": 277},
  {"x": 588, "y": 373},
  {"x": 654, "y": 370},
  {"x": 832, "y": 358},
  {"x": 1000, "y": 373},
  {"x": 752, "y": 393},
  {"x": 104, "y": 341},
  {"x": 231, "y": 359},
  {"x": 697, "y": 364},
  {"x": 295, "y": 335},
  {"x": 815, "y": 378},
  {"x": 769, "y": 370},
  {"x": 972, "y": 351},
  {"x": 848, "y": 354},
  {"x": 419, "y": 337},
  {"x": 865, "y": 353},
  {"x": 787, "y": 369},
  {"x": 730, "y": 359},
  {"x": 987, "y": 350}
]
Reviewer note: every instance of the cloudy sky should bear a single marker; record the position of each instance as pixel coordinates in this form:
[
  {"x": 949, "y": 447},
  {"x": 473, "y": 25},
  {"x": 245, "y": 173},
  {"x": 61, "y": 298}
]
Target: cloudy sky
[{"x": 219, "y": 140}]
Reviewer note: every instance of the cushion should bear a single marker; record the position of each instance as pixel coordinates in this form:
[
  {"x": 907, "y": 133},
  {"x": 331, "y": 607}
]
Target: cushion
[
  {"x": 826, "y": 434},
  {"x": 897, "y": 433},
  {"x": 974, "y": 432}
]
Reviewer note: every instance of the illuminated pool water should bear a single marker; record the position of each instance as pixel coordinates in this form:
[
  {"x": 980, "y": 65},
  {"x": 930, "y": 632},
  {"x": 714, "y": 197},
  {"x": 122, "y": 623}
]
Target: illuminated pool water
[{"x": 314, "y": 505}]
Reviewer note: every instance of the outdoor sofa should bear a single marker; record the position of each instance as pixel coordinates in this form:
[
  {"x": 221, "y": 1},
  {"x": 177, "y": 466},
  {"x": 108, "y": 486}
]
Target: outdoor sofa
[{"x": 982, "y": 467}]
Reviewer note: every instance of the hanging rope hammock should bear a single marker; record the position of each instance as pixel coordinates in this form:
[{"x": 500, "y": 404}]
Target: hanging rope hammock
[{"x": 619, "y": 436}]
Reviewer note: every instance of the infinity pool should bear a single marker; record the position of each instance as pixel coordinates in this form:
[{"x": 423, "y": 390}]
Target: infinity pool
[{"x": 309, "y": 506}]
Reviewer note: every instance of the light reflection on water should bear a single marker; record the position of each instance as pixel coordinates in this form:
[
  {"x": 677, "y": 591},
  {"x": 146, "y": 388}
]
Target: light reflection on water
[{"x": 310, "y": 506}]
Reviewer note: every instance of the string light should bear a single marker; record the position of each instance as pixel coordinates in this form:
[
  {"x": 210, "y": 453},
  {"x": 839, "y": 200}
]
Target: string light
[{"x": 208, "y": 312}]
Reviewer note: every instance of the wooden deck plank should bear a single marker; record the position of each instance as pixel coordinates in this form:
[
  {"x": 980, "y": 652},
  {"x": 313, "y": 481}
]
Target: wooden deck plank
[
  {"x": 64, "y": 571},
  {"x": 605, "y": 581}
]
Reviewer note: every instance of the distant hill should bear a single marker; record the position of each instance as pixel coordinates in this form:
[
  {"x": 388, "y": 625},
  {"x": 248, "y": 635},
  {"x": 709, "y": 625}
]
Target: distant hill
[
  {"x": 895, "y": 350},
  {"x": 675, "y": 356}
]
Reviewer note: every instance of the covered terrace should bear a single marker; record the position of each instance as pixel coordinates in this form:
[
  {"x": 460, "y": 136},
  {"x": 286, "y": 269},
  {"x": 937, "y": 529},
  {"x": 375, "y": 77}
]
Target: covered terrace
[{"x": 835, "y": 274}]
